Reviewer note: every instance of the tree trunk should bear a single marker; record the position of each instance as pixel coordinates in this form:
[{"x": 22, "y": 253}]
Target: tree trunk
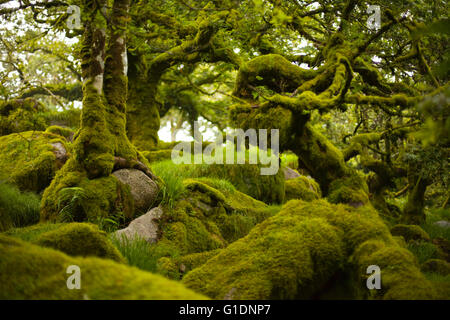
[{"x": 85, "y": 182}]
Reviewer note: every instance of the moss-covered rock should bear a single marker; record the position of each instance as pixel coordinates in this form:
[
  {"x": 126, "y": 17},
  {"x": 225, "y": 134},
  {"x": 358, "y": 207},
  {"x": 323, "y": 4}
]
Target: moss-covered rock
[
  {"x": 410, "y": 232},
  {"x": 350, "y": 190},
  {"x": 298, "y": 253},
  {"x": 30, "y": 159},
  {"x": 157, "y": 155},
  {"x": 29, "y": 271},
  {"x": 436, "y": 266},
  {"x": 175, "y": 268},
  {"x": 21, "y": 115},
  {"x": 209, "y": 216},
  {"x": 62, "y": 131},
  {"x": 80, "y": 239},
  {"x": 77, "y": 198},
  {"x": 246, "y": 178},
  {"x": 74, "y": 239},
  {"x": 302, "y": 188}
]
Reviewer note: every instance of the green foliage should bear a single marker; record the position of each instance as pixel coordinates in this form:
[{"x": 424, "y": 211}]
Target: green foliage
[
  {"x": 17, "y": 209},
  {"x": 138, "y": 252},
  {"x": 423, "y": 250},
  {"x": 410, "y": 232}
]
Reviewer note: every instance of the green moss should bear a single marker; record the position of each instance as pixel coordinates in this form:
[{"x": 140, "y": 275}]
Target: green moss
[
  {"x": 246, "y": 177},
  {"x": 62, "y": 131},
  {"x": 302, "y": 188},
  {"x": 439, "y": 266},
  {"x": 296, "y": 253},
  {"x": 410, "y": 232},
  {"x": 28, "y": 271},
  {"x": 31, "y": 233},
  {"x": 210, "y": 215},
  {"x": 159, "y": 155},
  {"x": 352, "y": 190},
  {"x": 28, "y": 159},
  {"x": 21, "y": 115},
  {"x": 17, "y": 209},
  {"x": 400, "y": 275},
  {"x": 74, "y": 197},
  {"x": 175, "y": 268},
  {"x": 80, "y": 239}
]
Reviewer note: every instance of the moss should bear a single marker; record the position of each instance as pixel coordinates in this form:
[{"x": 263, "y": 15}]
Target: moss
[
  {"x": 296, "y": 253},
  {"x": 62, "y": 131},
  {"x": 80, "y": 239},
  {"x": 400, "y": 275},
  {"x": 31, "y": 233},
  {"x": 352, "y": 190},
  {"x": 245, "y": 117},
  {"x": 74, "y": 197},
  {"x": 302, "y": 188},
  {"x": 210, "y": 215},
  {"x": 29, "y": 160},
  {"x": 410, "y": 232},
  {"x": 439, "y": 266},
  {"x": 74, "y": 239},
  {"x": 175, "y": 268},
  {"x": 159, "y": 155},
  {"x": 32, "y": 272},
  {"x": 21, "y": 115}
]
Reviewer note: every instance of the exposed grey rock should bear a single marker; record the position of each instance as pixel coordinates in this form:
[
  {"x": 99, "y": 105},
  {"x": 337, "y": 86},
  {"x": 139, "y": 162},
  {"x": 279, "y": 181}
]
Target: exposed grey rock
[
  {"x": 442, "y": 223},
  {"x": 290, "y": 173},
  {"x": 143, "y": 189},
  {"x": 144, "y": 227}
]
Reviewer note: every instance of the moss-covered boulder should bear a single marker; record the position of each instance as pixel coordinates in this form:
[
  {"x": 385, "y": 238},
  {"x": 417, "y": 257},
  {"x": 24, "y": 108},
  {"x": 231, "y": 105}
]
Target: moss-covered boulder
[
  {"x": 62, "y": 131},
  {"x": 308, "y": 249},
  {"x": 143, "y": 189},
  {"x": 351, "y": 190},
  {"x": 209, "y": 216},
  {"x": 245, "y": 178},
  {"x": 74, "y": 239},
  {"x": 28, "y": 271},
  {"x": 303, "y": 188},
  {"x": 80, "y": 239},
  {"x": 439, "y": 266},
  {"x": 21, "y": 115},
  {"x": 410, "y": 232},
  {"x": 157, "y": 155},
  {"x": 73, "y": 197},
  {"x": 30, "y": 159}
]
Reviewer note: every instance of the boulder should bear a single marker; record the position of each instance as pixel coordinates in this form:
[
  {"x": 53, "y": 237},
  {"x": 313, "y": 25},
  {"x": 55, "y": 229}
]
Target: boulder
[
  {"x": 144, "y": 227},
  {"x": 143, "y": 189},
  {"x": 290, "y": 173},
  {"x": 410, "y": 232},
  {"x": 436, "y": 266},
  {"x": 442, "y": 224},
  {"x": 29, "y": 271},
  {"x": 30, "y": 159}
]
